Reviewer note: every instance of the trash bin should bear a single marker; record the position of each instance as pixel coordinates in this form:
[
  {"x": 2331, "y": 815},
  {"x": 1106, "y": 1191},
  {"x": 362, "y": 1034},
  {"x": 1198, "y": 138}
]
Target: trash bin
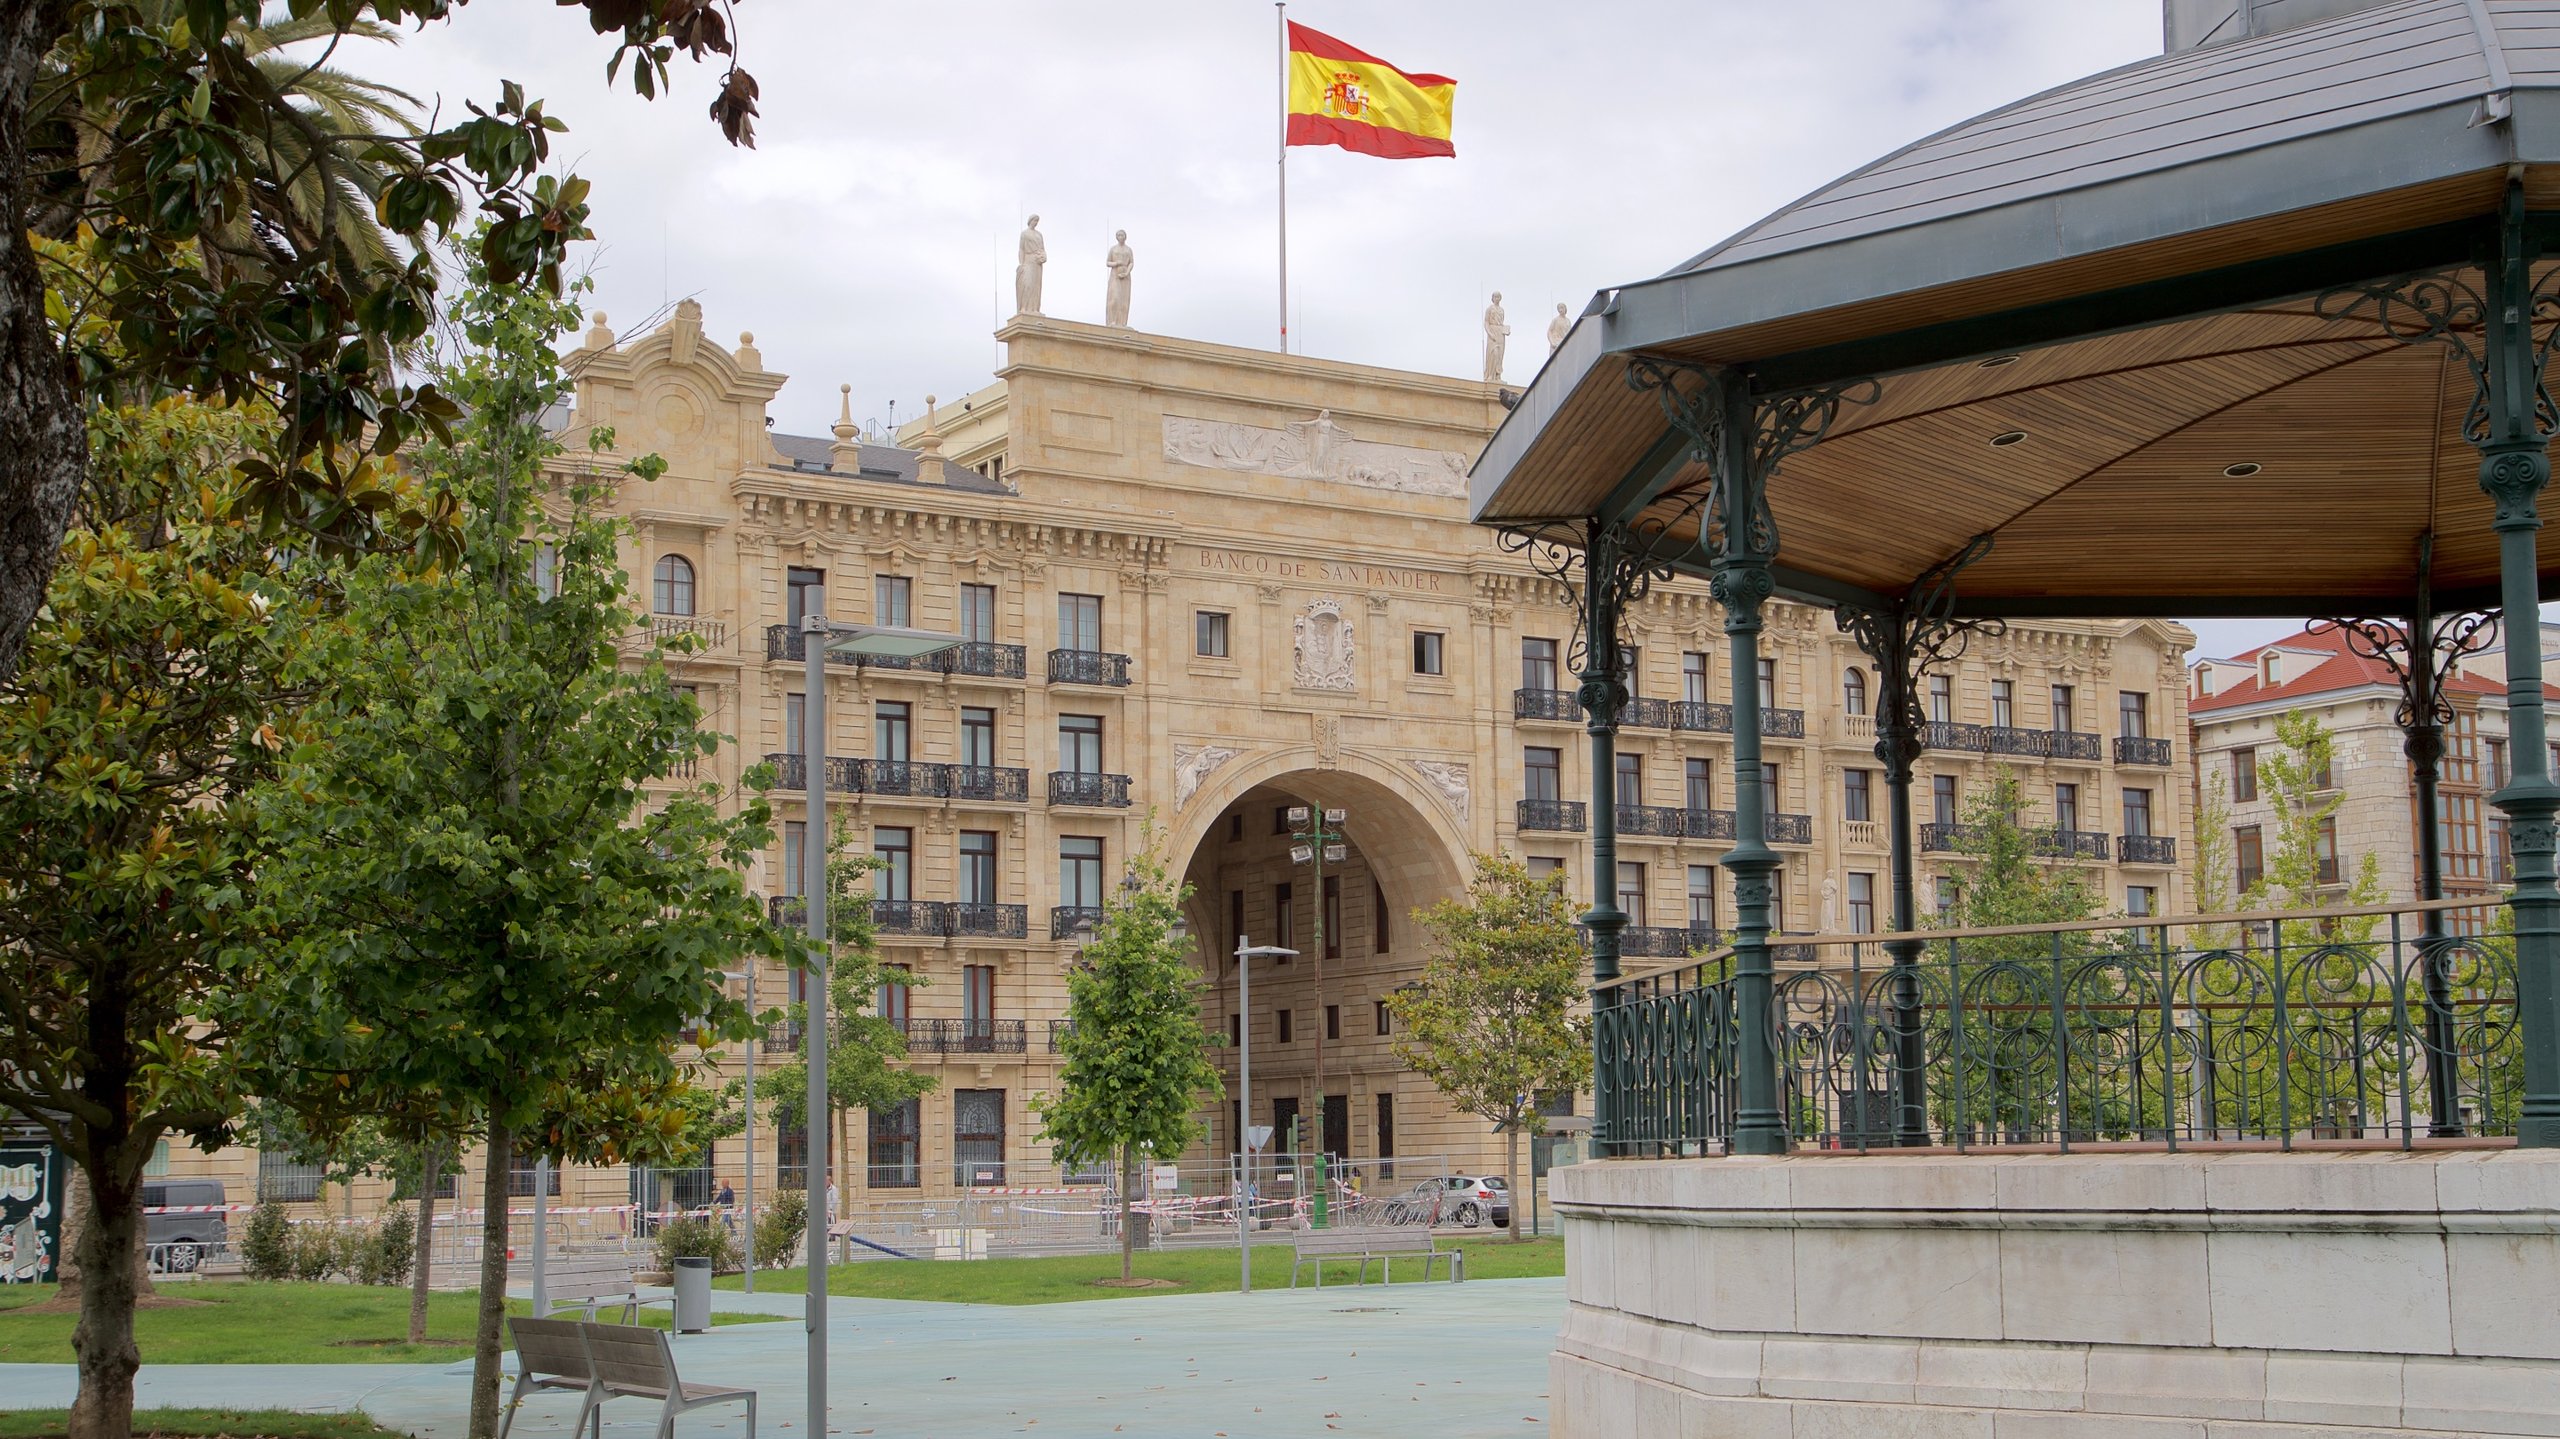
[
  {"x": 693, "y": 1295},
  {"x": 1137, "y": 1219}
]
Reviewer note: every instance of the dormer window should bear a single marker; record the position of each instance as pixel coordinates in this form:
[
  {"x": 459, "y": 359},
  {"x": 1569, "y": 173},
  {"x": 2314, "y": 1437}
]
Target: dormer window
[
  {"x": 2270, "y": 669},
  {"x": 2204, "y": 679}
]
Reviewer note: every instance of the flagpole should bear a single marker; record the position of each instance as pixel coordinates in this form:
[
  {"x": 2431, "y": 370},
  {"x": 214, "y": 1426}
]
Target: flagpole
[{"x": 1280, "y": 11}]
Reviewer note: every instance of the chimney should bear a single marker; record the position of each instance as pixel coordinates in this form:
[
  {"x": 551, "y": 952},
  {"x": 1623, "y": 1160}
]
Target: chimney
[
  {"x": 845, "y": 455},
  {"x": 929, "y": 468}
]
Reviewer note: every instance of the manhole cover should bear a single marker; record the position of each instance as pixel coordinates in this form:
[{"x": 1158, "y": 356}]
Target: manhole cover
[{"x": 1370, "y": 1310}]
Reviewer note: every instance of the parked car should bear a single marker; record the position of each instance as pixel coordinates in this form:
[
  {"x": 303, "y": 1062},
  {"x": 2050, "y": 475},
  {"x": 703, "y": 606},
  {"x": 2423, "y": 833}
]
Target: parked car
[
  {"x": 1468, "y": 1200},
  {"x": 179, "y": 1242}
]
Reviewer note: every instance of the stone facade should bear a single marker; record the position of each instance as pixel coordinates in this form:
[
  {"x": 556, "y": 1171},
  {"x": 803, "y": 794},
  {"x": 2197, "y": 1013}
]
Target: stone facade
[{"x": 1277, "y": 562}]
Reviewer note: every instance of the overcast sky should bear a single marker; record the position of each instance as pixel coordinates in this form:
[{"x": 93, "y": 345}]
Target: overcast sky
[{"x": 868, "y": 239}]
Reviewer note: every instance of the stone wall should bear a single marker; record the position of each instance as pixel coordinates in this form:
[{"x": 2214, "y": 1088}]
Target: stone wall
[{"x": 2187, "y": 1296}]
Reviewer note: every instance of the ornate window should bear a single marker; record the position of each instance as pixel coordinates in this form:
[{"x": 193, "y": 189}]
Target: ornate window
[
  {"x": 673, "y": 586},
  {"x": 1853, "y": 691}
]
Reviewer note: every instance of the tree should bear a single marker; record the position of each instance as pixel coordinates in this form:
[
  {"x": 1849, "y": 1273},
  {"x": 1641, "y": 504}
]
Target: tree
[
  {"x": 519, "y": 928},
  {"x": 1491, "y": 1019},
  {"x": 2215, "y": 867},
  {"x": 151, "y": 137},
  {"x": 1135, "y": 1060},
  {"x": 2294, "y": 778},
  {"x": 154, "y": 692}
]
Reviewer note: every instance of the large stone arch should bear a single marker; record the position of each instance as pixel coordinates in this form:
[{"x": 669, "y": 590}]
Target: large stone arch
[{"x": 1394, "y": 812}]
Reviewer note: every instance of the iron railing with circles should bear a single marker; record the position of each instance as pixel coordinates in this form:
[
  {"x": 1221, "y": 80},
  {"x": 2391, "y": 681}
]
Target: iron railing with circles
[
  {"x": 975, "y": 659},
  {"x": 1555, "y": 816},
  {"x": 783, "y": 1038},
  {"x": 2141, "y": 749},
  {"x": 2147, "y": 848},
  {"x": 1653, "y": 820},
  {"x": 1537, "y": 704},
  {"x": 1087, "y": 667},
  {"x": 894, "y": 779},
  {"x": 1097, "y": 791},
  {"x": 910, "y": 917},
  {"x": 966, "y": 1036},
  {"x": 2272, "y": 1029},
  {"x": 1066, "y": 921},
  {"x": 1639, "y": 941},
  {"x": 2010, "y": 740},
  {"x": 1059, "y": 1029},
  {"x": 989, "y": 921}
]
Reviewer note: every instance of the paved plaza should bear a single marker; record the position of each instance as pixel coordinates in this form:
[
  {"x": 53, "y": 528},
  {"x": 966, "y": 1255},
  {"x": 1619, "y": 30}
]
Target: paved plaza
[{"x": 1280, "y": 1364}]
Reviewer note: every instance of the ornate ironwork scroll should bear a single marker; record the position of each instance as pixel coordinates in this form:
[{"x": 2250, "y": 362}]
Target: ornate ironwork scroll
[{"x": 2453, "y": 638}]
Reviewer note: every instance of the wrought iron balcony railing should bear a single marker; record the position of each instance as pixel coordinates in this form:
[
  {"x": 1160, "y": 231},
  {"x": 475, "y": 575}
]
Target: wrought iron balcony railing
[
  {"x": 1560, "y": 705},
  {"x": 1059, "y": 1029},
  {"x": 1701, "y": 717},
  {"x": 787, "y": 911},
  {"x": 983, "y": 782},
  {"x": 1665, "y": 941},
  {"x": 665, "y": 628},
  {"x": 910, "y": 917},
  {"x": 1067, "y": 921},
  {"x": 2147, "y": 848},
  {"x": 2139, "y": 749},
  {"x": 989, "y": 921},
  {"x": 966, "y": 1036},
  {"x": 1646, "y": 712},
  {"x": 2151, "y": 1030},
  {"x": 783, "y": 1038},
  {"x": 1553, "y": 816},
  {"x": 1079, "y": 787},
  {"x": 1087, "y": 667},
  {"x": 975, "y": 659},
  {"x": 893, "y": 777},
  {"x": 2071, "y": 844},
  {"x": 1938, "y": 838},
  {"x": 1706, "y": 823},
  {"x": 904, "y": 779},
  {"x": 1655, "y": 821},
  {"x": 980, "y": 660},
  {"x": 2009, "y": 740}
]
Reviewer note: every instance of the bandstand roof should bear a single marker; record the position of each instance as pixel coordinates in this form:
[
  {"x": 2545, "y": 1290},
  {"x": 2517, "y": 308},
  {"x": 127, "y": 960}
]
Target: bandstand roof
[{"x": 2149, "y": 273}]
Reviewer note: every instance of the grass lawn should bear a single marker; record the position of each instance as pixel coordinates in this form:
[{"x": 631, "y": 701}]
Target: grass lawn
[
  {"x": 205, "y": 1424},
  {"x": 1194, "y": 1271},
  {"x": 242, "y": 1323}
]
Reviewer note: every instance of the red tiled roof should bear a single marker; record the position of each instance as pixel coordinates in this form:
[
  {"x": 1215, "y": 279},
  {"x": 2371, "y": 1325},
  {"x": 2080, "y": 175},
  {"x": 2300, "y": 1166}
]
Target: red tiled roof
[{"x": 2336, "y": 668}]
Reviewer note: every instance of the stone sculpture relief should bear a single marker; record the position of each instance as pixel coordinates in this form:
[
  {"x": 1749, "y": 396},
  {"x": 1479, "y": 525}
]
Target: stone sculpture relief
[
  {"x": 1450, "y": 780},
  {"x": 1115, "y": 297},
  {"x": 1316, "y": 449},
  {"x": 1033, "y": 255},
  {"x": 1557, "y": 329},
  {"x": 1325, "y": 649},
  {"x": 1193, "y": 764},
  {"x": 1497, "y": 336}
]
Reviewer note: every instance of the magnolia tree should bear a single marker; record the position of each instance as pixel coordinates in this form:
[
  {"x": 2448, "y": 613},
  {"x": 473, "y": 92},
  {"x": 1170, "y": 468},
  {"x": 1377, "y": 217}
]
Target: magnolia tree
[
  {"x": 1492, "y": 1019},
  {"x": 1135, "y": 1067},
  {"x": 518, "y": 918}
]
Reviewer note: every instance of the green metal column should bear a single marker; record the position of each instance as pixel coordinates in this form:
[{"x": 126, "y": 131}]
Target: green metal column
[
  {"x": 2514, "y": 469},
  {"x": 1897, "y": 748},
  {"x": 1746, "y": 545},
  {"x": 1603, "y": 696}
]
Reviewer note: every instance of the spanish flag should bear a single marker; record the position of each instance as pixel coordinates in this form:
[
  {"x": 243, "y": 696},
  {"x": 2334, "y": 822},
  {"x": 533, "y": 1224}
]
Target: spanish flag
[{"x": 1346, "y": 97}]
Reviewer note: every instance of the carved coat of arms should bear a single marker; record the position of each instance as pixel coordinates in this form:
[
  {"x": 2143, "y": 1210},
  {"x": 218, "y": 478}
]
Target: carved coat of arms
[{"x": 1325, "y": 648}]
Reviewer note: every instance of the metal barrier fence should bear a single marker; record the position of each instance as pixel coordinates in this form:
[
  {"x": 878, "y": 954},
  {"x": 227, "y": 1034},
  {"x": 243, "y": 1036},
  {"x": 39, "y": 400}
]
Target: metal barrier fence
[{"x": 2269, "y": 1029}]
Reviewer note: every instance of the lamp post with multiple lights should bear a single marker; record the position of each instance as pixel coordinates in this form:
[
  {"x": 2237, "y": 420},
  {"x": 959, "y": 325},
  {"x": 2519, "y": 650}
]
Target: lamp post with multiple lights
[{"x": 1316, "y": 838}]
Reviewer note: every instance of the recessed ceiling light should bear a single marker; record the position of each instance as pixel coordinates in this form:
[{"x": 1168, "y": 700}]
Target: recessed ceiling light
[
  {"x": 1996, "y": 361},
  {"x": 2242, "y": 470},
  {"x": 2006, "y": 438}
]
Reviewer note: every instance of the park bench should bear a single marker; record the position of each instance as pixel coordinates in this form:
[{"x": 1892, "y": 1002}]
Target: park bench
[
  {"x": 632, "y": 1362},
  {"x": 1315, "y": 1246},
  {"x": 592, "y": 1282},
  {"x": 552, "y": 1354}
]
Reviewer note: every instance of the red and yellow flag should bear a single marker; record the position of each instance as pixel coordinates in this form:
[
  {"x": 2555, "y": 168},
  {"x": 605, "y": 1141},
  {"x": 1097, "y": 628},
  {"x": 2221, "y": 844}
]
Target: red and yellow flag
[{"x": 1346, "y": 97}]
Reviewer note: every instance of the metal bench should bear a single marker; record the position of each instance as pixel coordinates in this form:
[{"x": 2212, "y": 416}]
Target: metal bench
[
  {"x": 637, "y": 1363},
  {"x": 552, "y": 1354},
  {"x": 1315, "y": 1246},
  {"x": 592, "y": 1282}
]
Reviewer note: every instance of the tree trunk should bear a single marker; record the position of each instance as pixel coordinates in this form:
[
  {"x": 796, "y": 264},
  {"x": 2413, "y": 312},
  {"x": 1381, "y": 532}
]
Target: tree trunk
[
  {"x": 1511, "y": 1171},
  {"x": 44, "y": 448},
  {"x": 488, "y": 1339},
  {"x": 108, "y": 1245},
  {"x": 431, "y": 1174},
  {"x": 1128, "y": 1211}
]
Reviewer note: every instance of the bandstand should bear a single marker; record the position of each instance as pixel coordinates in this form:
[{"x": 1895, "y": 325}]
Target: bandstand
[{"x": 2252, "y": 330}]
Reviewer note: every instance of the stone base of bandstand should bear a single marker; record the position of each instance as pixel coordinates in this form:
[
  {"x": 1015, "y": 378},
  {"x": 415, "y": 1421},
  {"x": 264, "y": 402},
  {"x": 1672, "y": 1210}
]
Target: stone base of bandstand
[{"x": 2083, "y": 1296}]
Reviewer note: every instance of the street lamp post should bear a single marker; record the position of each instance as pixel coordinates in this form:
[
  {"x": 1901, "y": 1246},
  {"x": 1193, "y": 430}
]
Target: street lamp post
[
  {"x": 819, "y": 637},
  {"x": 754, "y": 1042},
  {"x": 1246, "y": 953},
  {"x": 1316, "y": 838}
]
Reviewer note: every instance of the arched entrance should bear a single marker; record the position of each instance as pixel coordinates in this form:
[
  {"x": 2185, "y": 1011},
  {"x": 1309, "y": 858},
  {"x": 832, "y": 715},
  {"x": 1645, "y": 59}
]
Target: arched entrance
[{"x": 1323, "y": 1052}]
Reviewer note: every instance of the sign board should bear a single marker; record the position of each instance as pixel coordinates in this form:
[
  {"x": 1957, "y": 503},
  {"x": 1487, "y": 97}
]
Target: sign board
[
  {"x": 1166, "y": 1176},
  {"x": 1257, "y": 1136},
  {"x": 31, "y": 1178}
]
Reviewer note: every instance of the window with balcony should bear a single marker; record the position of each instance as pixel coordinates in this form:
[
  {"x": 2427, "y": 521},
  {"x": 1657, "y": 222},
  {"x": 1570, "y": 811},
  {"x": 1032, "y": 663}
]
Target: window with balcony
[
  {"x": 1542, "y": 773},
  {"x": 977, "y": 737},
  {"x": 2137, "y": 813},
  {"x": 1209, "y": 634},
  {"x": 1942, "y": 699},
  {"x": 1537, "y": 664},
  {"x": 1080, "y": 623},
  {"x": 1693, "y": 678},
  {"x": 1284, "y": 915},
  {"x": 2324, "y": 848},
  {"x": 2244, "y": 774},
  {"x": 895, "y": 1140},
  {"x": 1769, "y": 800},
  {"x": 2322, "y": 776},
  {"x": 1768, "y": 682},
  {"x": 893, "y": 601},
  {"x": 1631, "y": 891},
  {"x": 1857, "y": 795},
  {"x": 2063, "y": 708},
  {"x": 2248, "y": 856},
  {"x": 799, "y": 584},
  {"x": 1630, "y": 667},
  {"x": 1381, "y": 919},
  {"x": 671, "y": 587},
  {"x": 1942, "y": 799},
  {"x": 2133, "y": 715},
  {"x": 894, "y": 846},
  {"x": 889, "y": 1001},
  {"x": 1853, "y": 691},
  {"x": 892, "y": 727},
  {"x": 977, "y": 866},
  {"x": 1430, "y": 652},
  {"x": 795, "y": 863},
  {"x": 2004, "y": 705},
  {"x": 1331, "y": 899},
  {"x": 1630, "y": 772},
  {"x": 1862, "y": 904},
  {"x": 1698, "y": 778},
  {"x": 1080, "y": 872},
  {"x": 978, "y": 614},
  {"x": 795, "y": 728},
  {"x": 1080, "y": 744},
  {"x": 977, "y": 1137},
  {"x": 2066, "y": 807},
  {"x": 978, "y": 1001},
  {"x": 1702, "y": 896}
]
